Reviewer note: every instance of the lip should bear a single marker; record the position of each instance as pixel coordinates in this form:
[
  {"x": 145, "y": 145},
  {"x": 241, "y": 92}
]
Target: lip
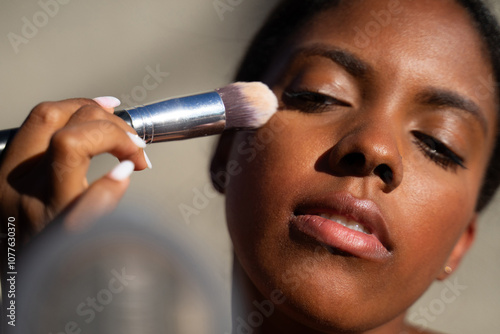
[{"x": 374, "y": 246}]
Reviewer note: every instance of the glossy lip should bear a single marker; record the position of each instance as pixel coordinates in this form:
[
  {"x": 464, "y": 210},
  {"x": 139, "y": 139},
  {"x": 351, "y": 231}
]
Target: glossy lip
[{"x": 374, "y": 246}]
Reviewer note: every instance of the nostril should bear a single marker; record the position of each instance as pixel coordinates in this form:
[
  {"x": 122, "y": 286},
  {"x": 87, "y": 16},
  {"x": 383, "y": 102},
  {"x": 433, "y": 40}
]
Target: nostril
[
  {"x": 354, "y": 160},
  {"x": 385, "y": 173}
]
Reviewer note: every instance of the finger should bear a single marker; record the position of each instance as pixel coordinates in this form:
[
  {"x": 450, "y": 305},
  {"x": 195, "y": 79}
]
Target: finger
[
  {"x": 71, "y": 149},
  {"x": 89, "y": 113},
  {"x": 100, "y": 199},
  {"x": 33, "y": 137},
  {"x": 108, "y": 103}
]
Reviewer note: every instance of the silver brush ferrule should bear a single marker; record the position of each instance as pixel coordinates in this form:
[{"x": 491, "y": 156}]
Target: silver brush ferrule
[{"x": 180, "y": 118}]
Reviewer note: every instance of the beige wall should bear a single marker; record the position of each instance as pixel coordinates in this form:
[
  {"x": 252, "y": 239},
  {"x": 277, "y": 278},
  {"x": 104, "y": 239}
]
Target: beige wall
[{"x": 93, "y": 48}]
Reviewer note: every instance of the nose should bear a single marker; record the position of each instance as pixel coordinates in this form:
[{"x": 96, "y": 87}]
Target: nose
[{"x": 368, "y": 150}]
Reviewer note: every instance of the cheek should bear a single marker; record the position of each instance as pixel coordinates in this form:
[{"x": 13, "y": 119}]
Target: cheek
[
  {"x": 433, "y": 212},
  {"x": 258, "y": 198},
  {"x": 276, "y": 163},
  {"x": 271, "y": 167}
]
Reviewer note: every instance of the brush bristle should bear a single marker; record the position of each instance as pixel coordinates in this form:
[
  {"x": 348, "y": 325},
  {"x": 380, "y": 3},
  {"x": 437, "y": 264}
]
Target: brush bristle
[{"x": 248, "y": 104}]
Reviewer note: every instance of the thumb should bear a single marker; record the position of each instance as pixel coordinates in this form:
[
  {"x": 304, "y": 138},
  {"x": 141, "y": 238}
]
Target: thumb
[{"x": 99, "y": 199}]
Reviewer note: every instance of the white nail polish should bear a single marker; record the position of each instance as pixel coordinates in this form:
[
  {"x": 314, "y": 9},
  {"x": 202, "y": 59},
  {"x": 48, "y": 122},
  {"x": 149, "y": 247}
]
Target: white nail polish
[
  {"x": 107, "y": 101},
  {"x": 150, "y": 166},
  {"x": 122, "y": 170},
  {"x": 137, "y": 140}
]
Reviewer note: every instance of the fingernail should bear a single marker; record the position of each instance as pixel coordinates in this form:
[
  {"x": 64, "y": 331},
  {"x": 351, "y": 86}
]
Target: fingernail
[
  {"x": 107, "y": 101},
  {"x": 137, "y": 140},
  {"x": 122, "y": 170},
  {"x": 150, "y": 166}
]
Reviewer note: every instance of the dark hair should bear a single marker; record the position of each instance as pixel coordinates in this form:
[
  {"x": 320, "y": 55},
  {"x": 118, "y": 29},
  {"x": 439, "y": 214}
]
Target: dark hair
[{"x": 291, "y": 15}]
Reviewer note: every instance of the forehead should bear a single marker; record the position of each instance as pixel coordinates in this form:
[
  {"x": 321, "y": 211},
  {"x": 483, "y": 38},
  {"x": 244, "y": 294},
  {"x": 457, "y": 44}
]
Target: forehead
[
  {"x": 425, "y": 29},
  {"x": 412, "y": 43}
]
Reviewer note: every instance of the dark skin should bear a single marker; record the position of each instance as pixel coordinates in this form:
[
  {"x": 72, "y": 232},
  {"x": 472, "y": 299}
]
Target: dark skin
[
  {"x": 398, "y": 123},
  {"x": 406, "y": 109}
]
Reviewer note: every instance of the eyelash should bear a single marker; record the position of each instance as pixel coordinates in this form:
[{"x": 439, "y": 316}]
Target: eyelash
[
  {"x": 311, "y": 102},
  {"x": 438, "y": 152},
  {"x": 434, "y": 149}
]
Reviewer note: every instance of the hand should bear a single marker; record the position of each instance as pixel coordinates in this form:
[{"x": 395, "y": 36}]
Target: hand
[{"x": 44, "y": 167}]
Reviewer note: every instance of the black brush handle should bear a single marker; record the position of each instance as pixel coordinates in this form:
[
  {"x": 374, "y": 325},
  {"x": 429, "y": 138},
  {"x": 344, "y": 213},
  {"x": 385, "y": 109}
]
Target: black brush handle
[{"x": 5, "y": 137}]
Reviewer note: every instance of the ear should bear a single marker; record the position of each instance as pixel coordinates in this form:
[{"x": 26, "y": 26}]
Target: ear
[
  {"x": 219, "y": 161},
  {"x": 461, "y": 247}
]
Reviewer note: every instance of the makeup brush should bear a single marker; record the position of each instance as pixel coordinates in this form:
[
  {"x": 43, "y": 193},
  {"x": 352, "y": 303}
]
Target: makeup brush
[{"x": 241, "y": 105}]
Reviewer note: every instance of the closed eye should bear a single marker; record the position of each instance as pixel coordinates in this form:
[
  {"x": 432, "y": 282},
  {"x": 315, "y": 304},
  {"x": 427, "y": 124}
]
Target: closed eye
[
  {"x": 437, "y": 151},
  {"x": 311, "y": 102}
]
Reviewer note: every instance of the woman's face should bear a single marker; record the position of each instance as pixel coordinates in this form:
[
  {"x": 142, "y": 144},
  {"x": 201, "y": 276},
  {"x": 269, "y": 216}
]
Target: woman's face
[{"x": 385, "y": 126}]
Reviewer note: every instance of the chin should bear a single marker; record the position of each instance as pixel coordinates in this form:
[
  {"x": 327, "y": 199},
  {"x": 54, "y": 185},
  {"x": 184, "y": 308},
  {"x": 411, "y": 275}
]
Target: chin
[{"x": 323, "y": 291}]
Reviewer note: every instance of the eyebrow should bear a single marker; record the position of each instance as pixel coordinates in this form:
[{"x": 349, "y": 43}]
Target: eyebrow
[
  {"x": 351, "y": 63},
  {"x": 445, "y": 98},
  {"x": 361, "y": 69}
]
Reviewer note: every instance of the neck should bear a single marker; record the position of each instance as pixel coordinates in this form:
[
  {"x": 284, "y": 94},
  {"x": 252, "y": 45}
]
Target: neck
[{"x": 252, "y": 312}]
